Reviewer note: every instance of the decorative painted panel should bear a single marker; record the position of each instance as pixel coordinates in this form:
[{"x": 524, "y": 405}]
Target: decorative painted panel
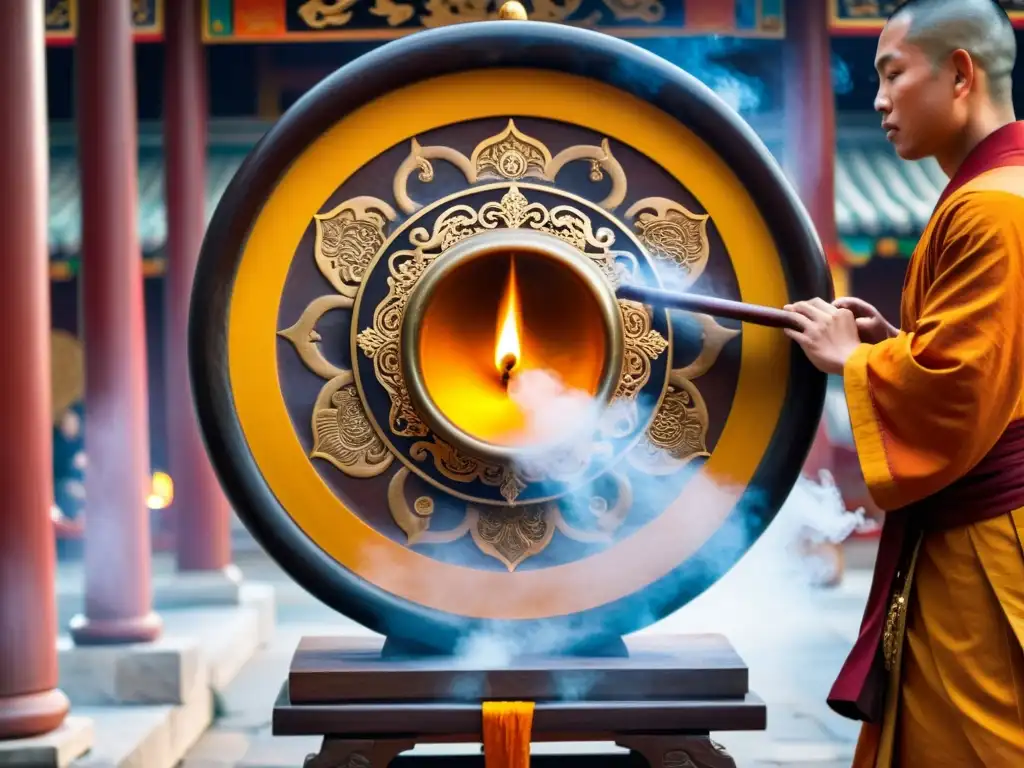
[
  {"x": 867, "y": 17},
  {"x": 332, "y": 20}
]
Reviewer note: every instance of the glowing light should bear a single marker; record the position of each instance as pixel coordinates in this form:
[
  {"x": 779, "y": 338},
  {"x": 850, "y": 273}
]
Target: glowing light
[
  {"x": 161, "y": 492},
  {"x": 507, "y": 349}
]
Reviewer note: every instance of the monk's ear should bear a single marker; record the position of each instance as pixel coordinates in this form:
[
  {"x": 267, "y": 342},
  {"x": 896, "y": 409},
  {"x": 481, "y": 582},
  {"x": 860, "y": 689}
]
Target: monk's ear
[{"x": 964, "y": 73}]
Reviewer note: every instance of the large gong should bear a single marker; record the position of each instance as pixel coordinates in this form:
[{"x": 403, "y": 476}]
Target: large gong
[{"x": 343, "y": 336}]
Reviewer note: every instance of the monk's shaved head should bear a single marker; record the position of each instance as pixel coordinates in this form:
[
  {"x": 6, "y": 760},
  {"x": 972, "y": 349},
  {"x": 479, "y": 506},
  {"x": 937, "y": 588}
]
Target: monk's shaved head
[{"x": 980, "y": 27}]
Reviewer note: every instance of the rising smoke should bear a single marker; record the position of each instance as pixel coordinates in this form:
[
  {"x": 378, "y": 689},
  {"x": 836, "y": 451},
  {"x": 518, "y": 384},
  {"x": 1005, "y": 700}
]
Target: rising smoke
[
  {"x": 705, "y": 58},
  {"x": 772, "y": 577}
]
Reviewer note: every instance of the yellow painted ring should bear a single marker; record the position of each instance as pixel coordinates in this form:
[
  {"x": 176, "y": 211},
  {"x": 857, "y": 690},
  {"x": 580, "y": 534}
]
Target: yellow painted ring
[{"x": 655, "y": 549}]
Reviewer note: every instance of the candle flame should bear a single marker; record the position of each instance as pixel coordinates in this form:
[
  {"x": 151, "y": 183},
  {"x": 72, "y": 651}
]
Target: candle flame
[{"x": 507, "y": 350}]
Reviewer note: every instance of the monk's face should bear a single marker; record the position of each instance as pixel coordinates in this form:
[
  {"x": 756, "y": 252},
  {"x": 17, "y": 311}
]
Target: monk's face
[{"x": 917, "y": 98}]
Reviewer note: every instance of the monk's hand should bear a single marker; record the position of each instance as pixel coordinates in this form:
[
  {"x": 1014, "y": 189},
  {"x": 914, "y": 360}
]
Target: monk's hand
[
  {"x": 873, "y": 327},
  {"x": 827, "y": 334}
]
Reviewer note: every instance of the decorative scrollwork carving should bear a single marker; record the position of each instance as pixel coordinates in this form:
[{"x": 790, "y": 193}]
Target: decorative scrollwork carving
[
  {"x": 601, "y": 159},
  {"x": 342, "y": 434},
  {"x": 714, "y": 337},
  {"x": 511, "y": 535},
  {"x": 380, "y": 342},
  {"x": 347, "y": 239},
  {"x": 513, "y": 156},
  {"x": 510, "y": 155},
  {"x": 671, "y": 232},
  {"x": 304, "y": 337},
  {"x": 643, "y": 345},
  {"x": 678, "y": 433},
  {"x": 419, "y": 160},
  {"x": 457, "y": 466},
  {"x": 454, "y": 464},
  {"x": 414, "y": 519}
]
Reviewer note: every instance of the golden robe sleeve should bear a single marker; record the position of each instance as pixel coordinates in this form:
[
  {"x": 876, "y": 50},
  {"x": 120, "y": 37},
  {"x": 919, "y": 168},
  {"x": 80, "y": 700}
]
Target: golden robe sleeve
[{"x": 927, "y": 405}]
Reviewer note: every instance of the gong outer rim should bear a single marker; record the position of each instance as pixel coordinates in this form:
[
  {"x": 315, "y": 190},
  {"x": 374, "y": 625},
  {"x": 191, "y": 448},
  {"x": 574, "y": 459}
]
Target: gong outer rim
[
  {"x": 480, "y": 246},
  {"x": 426, "y": 55}
]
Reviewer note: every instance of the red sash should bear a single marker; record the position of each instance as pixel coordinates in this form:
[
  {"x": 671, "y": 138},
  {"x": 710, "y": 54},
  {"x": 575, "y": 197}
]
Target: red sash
[{"x": 991, "y": 489}]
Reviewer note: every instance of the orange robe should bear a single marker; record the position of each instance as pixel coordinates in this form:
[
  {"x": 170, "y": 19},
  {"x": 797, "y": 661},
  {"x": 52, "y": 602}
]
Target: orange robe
[{"x": 926, "y": 407}]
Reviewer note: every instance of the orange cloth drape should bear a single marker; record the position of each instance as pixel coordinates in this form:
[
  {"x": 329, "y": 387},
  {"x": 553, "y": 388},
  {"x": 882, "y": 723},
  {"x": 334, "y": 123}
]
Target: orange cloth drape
[{"x": 507, "y": 726}]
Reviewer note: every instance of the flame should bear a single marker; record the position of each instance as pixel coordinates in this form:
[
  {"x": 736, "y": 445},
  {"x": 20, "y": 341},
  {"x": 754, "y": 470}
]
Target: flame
[
  {"x": 161, "y": 492},
  {"x": 507, "y": 347}
]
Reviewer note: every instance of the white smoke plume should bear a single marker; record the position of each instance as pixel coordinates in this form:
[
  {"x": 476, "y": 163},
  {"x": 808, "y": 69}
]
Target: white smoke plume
[{"x": 774, "y": 574}]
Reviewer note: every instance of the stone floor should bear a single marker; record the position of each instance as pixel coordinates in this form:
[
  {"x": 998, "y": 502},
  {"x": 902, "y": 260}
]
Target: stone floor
[{"x": 792, "y": 636}]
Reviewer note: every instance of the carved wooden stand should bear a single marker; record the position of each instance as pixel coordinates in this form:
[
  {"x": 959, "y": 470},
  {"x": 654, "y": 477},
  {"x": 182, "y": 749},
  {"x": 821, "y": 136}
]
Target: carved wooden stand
[{"x": 662, "y": 701}]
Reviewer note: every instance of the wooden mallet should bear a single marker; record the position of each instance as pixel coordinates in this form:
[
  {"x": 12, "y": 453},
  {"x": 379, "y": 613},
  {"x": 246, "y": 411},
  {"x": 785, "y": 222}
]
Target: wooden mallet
[{"x": 709, "y": 305}]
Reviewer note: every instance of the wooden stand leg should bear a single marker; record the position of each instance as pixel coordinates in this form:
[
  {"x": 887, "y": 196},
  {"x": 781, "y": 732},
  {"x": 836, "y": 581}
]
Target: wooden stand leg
[
  {"x": 679, "y": 751},
  {"x": 357, "y": 753}
]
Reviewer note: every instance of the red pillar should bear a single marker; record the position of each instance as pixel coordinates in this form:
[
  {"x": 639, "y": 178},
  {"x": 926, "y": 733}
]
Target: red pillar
[
  {"x": 811, "y": 116},
  {"x": 30, "y": 703},
  {"x": 200, "y": 510},
  {"x": 118, "y": 597}
]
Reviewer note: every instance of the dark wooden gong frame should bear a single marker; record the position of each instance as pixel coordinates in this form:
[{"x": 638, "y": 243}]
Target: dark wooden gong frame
[{"x": 430, "y": 54}]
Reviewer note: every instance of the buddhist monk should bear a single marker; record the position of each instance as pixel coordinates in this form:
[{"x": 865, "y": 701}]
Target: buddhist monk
[{"x": 937, "y": 673}]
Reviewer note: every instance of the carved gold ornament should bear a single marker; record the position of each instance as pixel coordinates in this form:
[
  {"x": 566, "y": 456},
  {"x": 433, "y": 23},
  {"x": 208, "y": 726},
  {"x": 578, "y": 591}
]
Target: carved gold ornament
[
  {"x": 323, "y": 14},
  {"x": 462, "y": 468},
  {"x": 510, "y": 155},
  {"x": 306, "y": 340},
  {"x": 342, "y": 433},
  {"x": 678, "y": 433},
  {"x": 349, "y": 239},
  {"x": 510, "y": 536},
  {"x": 513, "y": 535},
  {"x": 671, "y": 232},
  {"x": 381, "y": 341}
]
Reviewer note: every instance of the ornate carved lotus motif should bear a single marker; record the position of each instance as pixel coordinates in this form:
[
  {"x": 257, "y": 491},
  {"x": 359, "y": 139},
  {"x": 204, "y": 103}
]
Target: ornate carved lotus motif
[{"x": 349, "y": 239}]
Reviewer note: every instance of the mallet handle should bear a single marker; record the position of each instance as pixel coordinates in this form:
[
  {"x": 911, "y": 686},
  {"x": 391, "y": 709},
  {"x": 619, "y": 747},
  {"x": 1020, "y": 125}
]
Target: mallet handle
[{"x": 709, "y": 305}]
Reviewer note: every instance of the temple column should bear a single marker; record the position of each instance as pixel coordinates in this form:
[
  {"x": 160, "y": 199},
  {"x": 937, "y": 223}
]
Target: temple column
[
  {"x": 200, "y": 510},
  {"x": 810, "y": 158},
  {"x": 30, "y": 703},
  {"x": 118, "y": 598},
  {"x": 811, "y": 117}
]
